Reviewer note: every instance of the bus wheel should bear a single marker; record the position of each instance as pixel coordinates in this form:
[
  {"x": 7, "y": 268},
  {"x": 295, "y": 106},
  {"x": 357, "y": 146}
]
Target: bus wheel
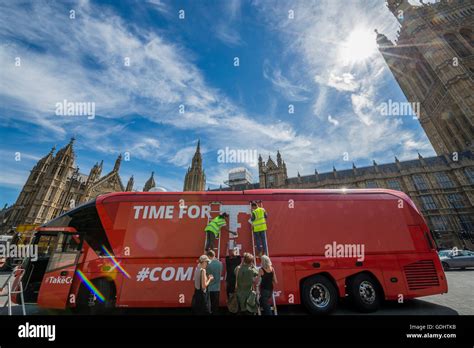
[
  {"x": 365, "y": 293},
  {"x": 90, "y": 303},
  {"x": 319, "y": 295}
]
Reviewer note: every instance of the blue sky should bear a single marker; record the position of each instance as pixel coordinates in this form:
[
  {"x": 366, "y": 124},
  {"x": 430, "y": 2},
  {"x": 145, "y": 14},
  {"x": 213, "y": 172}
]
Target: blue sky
[{"x": 321, "y": 60}]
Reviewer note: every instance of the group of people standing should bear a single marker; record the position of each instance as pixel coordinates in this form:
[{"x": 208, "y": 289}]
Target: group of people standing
[
  {"x": 241, "y": 278},
  {"x": 242, "y": 274}
]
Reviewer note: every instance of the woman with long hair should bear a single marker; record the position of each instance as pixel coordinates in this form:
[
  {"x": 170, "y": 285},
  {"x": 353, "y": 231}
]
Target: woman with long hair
[{"x": 268, "y": 279}]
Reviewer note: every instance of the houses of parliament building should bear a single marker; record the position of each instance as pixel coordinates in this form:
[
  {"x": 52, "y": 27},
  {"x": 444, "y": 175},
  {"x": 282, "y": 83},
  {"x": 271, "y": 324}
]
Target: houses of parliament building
[
  {"x": 433, "y": 62},
  {"x": 55, "y": 185}
]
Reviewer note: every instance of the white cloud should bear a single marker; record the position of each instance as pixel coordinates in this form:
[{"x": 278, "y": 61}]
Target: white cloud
[
  {"x": 344, "y": 82},
  {"x": 159, "y": 5},
  {"x": 317, "y": 35},
  {"x": 13, "y": 177},
  {"x": 183, "y": 157},
  {"x": 228, "y": 35},
  {"x": 333, "y": 120},
  {"x": 363, "y": 107},
  {"x": 290, "y": 90},
  {"x": 320, "y": 103},
  {"x": 160, "y": 78},
  {"x": 228, "y": 22},
  {"x": 217, "y": 176}
]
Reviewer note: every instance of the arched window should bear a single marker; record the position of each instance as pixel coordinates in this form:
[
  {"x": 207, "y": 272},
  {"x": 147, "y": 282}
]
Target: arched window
[
  {"x": 456, "y": 45},
  {"x": 467, "y": 35}
]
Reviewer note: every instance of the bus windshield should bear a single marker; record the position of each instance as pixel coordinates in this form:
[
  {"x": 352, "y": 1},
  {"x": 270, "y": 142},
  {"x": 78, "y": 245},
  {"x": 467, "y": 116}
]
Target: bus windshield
[{"x": 46, "y": 244}]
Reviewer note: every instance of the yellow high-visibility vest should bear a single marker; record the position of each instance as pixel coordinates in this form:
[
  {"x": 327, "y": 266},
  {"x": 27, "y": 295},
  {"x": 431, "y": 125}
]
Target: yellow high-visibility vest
[
  {"x": 215, "y": 225},
  {"x": 260, "y": 223}
]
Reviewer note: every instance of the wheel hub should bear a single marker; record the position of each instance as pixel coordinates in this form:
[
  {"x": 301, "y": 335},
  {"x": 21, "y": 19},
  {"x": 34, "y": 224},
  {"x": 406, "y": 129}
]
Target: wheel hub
[
  {"x": 319, "y": 295},
  {"x": 367, "y": 292}
]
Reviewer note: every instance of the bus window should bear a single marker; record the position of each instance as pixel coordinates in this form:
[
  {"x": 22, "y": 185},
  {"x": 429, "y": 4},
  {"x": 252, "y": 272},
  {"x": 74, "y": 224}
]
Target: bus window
[
  {"x": 46, "y": 243},
  {"x": 66, "y": 252}
]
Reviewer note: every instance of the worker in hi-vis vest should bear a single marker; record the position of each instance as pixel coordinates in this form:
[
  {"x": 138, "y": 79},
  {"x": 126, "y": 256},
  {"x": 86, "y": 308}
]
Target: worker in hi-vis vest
[
  {"x": 259, "y": 226},
  {"x": 213, "y": 229}
]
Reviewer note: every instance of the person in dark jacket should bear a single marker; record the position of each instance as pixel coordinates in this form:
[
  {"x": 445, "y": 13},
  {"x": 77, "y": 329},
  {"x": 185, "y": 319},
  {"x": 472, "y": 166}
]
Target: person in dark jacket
[{"x": 231, "y": 263}]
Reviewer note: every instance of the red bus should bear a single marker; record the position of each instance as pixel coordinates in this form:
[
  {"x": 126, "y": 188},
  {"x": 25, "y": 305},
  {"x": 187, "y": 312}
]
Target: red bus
[{"x": 139, "y": 249}]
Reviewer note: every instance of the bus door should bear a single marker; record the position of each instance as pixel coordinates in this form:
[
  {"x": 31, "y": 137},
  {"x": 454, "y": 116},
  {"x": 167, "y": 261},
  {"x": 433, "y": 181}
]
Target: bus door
[{"x": 59, "y": 274}]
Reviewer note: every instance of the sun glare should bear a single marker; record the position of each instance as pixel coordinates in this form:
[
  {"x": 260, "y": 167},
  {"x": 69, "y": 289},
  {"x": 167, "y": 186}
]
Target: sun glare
[{"x": 359, "y": 46}]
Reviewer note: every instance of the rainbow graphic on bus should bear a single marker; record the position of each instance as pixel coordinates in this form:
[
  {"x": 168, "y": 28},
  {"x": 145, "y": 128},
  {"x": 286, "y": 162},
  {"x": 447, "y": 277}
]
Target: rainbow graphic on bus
[{"x": 91, "y": 286}]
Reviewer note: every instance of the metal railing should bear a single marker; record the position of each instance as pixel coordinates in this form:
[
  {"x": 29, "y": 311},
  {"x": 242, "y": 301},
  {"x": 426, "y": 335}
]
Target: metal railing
[{"x": 13, "y": 286}]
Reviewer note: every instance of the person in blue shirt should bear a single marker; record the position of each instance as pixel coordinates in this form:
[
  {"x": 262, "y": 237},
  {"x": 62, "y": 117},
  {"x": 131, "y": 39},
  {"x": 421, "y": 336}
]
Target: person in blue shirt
[{"x": 214, "y": 268}]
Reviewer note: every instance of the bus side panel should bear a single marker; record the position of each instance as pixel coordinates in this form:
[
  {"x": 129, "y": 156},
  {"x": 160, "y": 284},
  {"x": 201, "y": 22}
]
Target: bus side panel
[
  {"x": 170, "y": 283},
  {"x": 423, "y": 274},
  {"x": 157, "y": 283},
  {"x": 393, "y": 280},
  {"x": 177, "y": 234},
  {"x": 287, "y": 289},
  {"x": 306, "y": 227},
  {"x": 307, "y": 266},
  {"x": 55, "y": 288},
  {"x": 341, "y": 269},
  {"x": 382, "y": 266},
  {"x": 93, "y": 268}
]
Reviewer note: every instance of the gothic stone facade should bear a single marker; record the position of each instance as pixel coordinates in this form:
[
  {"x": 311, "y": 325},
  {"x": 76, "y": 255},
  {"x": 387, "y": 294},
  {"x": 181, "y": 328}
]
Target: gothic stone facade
[
  {"x": 433, "y": 62},
  {"x": 55, "y": 186}
]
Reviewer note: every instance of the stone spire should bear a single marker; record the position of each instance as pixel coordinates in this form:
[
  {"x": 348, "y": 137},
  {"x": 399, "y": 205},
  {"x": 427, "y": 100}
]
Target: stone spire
[
  {"x": 130, "y": 184},
  {"x": 94, "y": 174},
  {"x": 279, "y": 161},
  {"x": 195, "y": 179},
  {"x": 117, "y": 163},
  {"x": 150, "y": 183},
  {"x": 101, "y": 165},
  {"x": 67, "y": 152}
]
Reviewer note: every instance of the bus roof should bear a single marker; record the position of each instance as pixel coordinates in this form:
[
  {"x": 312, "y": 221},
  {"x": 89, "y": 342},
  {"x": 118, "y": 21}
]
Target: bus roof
[
  {"x": 262, "y": 192},
  {"x": 113, "y": 196}
]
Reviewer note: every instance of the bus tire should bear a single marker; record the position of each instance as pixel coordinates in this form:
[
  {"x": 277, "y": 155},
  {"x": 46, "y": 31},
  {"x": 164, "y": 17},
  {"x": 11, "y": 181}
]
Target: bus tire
[
  {"x": 319, "y": 295},
  {"x": 89, "y": 303},
  {"x": 365, "y": 293}
]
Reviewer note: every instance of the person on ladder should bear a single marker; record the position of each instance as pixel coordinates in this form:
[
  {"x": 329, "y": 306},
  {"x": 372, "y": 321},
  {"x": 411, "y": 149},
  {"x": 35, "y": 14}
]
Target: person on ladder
[
  {"x": 259, "y": 226},
  {"x": 213, "y": 229}
]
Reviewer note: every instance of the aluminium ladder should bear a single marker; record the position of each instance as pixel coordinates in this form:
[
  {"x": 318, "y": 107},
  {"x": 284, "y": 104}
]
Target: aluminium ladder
[
  {"x": 212, "y": 214},
  {"x": 275, "y": 311}
]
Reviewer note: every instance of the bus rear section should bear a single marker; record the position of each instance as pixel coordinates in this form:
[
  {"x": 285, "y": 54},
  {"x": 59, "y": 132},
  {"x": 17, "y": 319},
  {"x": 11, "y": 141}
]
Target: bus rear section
[{"x": 140, "y": 249}]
